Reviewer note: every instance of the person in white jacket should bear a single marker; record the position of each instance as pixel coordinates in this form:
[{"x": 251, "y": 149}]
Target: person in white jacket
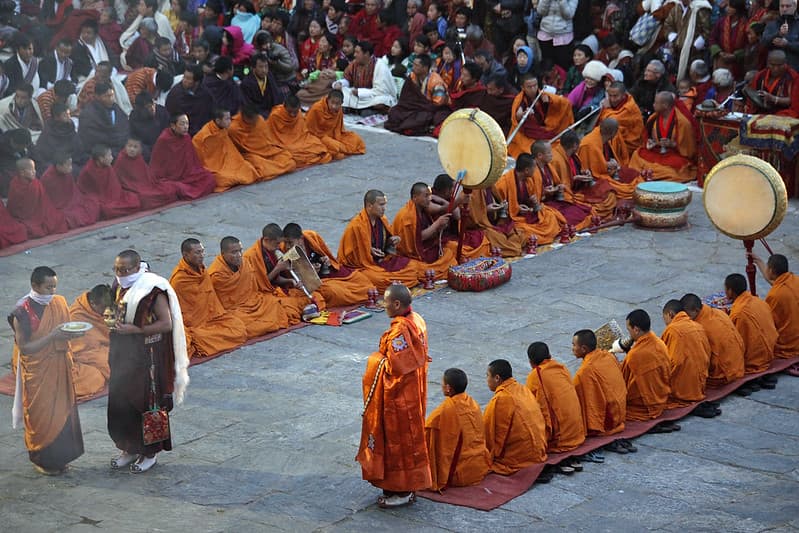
[
  {"x": 556, "y": 32},
  {"x": 367, "y": 81},
  {"x": 147, "y": 8}
]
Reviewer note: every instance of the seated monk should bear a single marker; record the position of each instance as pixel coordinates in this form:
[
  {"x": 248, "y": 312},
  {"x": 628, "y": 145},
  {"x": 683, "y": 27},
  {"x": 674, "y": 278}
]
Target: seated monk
[
  {"x": 726, "y": 344},
  {"x": 423, "y": 100},
  {"x": 551, "y": 115},
  {"x": 604, "y": 153},
  {"x": 622, "y": 107},
  {"x": 455, "y": 437},
  {"x": 669, "y": 148},
  {"x": 11, "y": 231},
  {"x": 754, "y": 321},
  {"x": 249, "y": 133},
  {"x": 489, "y": 213},
  {"x": 210, "y": 329},
  {"x": 600, "y": 387},
  {"x": 498, "y": 101},
  {"x": 58, "y": 181},
  {"x": 135, "y": 176},
  {"x": 493, "y": 98},
  {"x": 783, "y": 299},
  {"x": 368, "y": 245},
  {"x": 548, "y": 187},
  {"x": 475, "y": 243},
  {"x": 325, "y": 120},
  {"x": 90, "y": 370},
  {"x": 777, "y": 85},
  {"x": 287, "y": 129},
  {"x": 340, "y": 285},
  {"x": 367, "y": 81},
  {"x": 218, "y": 154},
  {"x": 516, "y": 433},
  {"x": 174, "y": 158},
  {"x": 524, "y": 207},
  {"x": 236, "y": 287},
  {"x": 28, "y": 202},
  {"x": 579, "y": 185},
  {"x": 98, "y": 181},
  {"x": 689, "y": 353}
]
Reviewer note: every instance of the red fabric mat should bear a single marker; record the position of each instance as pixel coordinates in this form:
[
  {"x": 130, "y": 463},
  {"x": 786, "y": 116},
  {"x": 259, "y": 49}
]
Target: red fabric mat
[{"x": 496, "y": 490}]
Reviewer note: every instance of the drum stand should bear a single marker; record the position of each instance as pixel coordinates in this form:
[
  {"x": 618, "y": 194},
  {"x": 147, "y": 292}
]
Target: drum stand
[{"x": 750, "y": 264}]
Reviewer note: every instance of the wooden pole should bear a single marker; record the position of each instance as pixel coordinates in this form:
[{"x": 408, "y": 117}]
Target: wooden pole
[{"x": 750, "y": 267}]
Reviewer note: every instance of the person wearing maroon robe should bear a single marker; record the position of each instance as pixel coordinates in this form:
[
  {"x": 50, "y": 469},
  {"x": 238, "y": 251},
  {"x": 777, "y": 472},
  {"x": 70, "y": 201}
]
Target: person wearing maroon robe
[
  {"x": 174, "y": 159},
  {"x": 58, "y": 181},
  {"x": 553, "y": 193},
  {"x": 99, "y": 181},
  {"x": 11, "y": 231},
  {"x": 135, "y": 176},
  {"x": 28, "y": 203}
]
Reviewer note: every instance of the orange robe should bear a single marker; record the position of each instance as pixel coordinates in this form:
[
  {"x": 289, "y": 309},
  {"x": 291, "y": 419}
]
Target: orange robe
[
  {"x": 601, "y": 196},
  {"x": 544, "y": 123},
  {"x": 689, "y": 353},
  {"x": 218, "y": 154},
  {"x": 783, "y": 299},
  {"x": 753, "y": 320},
  {"x": 90, "y": 370},
  {"x": 631, "y": 122},
  {"x": 433, "y": 253},
  {"x": 647, "y": 371},
  {"x": 329, "y": 128},
  {"x": 726, "y": 346},
  {"x": 516, "y": 433},
  {"x": 594, "y": 155},
  {"x": 238, "y": 293},
  {"x": 677, "y": 164},
  {"x": 577, "y": 215},
  {"x": 268, "y": 159},
  {"x": 355, "y": 251},
  {"x": 503, "y": 235},
  {"x": 292, "y": 135},
  {"x": 545, "y": 225},
  {"x": 456, "y": 443},
  {"x": 551, "y": 384},
  {"x": 393, "y": 452},
  {"x": 602, "y": 392},
  {"x": 210, "y": 329}
]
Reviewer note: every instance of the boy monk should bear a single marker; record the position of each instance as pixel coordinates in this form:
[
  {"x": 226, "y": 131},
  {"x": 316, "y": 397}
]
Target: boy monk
[
  {"x": 58, "y": 181},
  {"x": 455, "y": 438},
  {"x": 325, "y": 120},
  {"x": 90, "y": 369},
  {"x": 28, "y": 202},
  {"x": 783, "y": 299},
  {"x": 99, "y": 181},
  {"x": 286, "y": 128},
  {"x": 135, "y": 176},
  {"x": 218, "y": 154}
]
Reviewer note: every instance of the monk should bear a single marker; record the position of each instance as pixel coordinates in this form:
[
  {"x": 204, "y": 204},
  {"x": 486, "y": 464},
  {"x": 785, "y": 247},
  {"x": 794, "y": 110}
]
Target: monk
[
  {"x": 325, "y": 120},
  {"x": 669, "y": 142},
  {"x": 621, "y": 106},
  {"x": 489, "y": 213},
  {"x": 726, "y": 344},
  {"x": 604, "y": 153},
  {"x": 455, "y": 437},
  {"x": 689, "y": 353},
  {"x": 341, "y": 285},
  {"x": 99, "y": 181},
  {"x": 516, "y": 433},
  {"x": 218, "y": 154},
  {"x": 210, "y": 329},
  {"x": 249, "y": 134},
  {"x": 548, "y": 187},
  {"x": 174, "y": 158},
  {"x": 442, "y": 201},
  {"x": 777, "y": 85},
  {"x": 42, "y": 364},
  {"x": 11, "y": 231},
  {"x": 551, "y": 115},
  {"x": 525, "y": 208},
  {"x": 368, "y": 245},
  {"x": 783, "y": 299},
  {"x": 287, "y": 129},
  {"x": 579, "y": 186},
  {"x": 392, "y": 452},
  {"x": 79, "y": 210},
  {"x": 235, "y": 285},
  {"x": 28, "y": 202},
  {"x": 135, "y": 176},
  {"x": 90, "y": 370},
  {"x": 551, "y": 385}
]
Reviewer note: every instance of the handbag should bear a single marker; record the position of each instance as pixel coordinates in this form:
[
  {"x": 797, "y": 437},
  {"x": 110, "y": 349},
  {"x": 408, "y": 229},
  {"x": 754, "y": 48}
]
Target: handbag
[
  {"x": 644, "y": 29},
  {"x": 155, "y": 421}
]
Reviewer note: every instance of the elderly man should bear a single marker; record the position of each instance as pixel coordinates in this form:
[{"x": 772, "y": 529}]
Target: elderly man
[
  {"x": 777, "y": 85},
  {"x": 364, "y": 24},
  {"x": 783, "y": 33},
  {"x": 653, "y": 82},
  {"x": 688, "y": 27},
  {"x": 20, "y": 110},
  {"x": 367, "y": 82},
  {"x": 604, "y": 153},
  {"x": 147, "y": 9},
  {"x": 701, "y": 82},
  {"x": 189, "y": 97},
  {"x": 622, "y": 107},
  {"x": 489, "y": 66}
]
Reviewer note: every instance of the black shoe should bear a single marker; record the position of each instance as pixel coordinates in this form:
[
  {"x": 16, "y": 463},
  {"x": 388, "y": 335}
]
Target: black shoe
[
  {"x": 617, "y": 447},
  {"x": 546, "y": 475},
  {"x": 768, "y": 382},
  {"x": 706, "y": 410},
  {"x": 629, "y": 445},
  {"x": 661, "y": 428}
]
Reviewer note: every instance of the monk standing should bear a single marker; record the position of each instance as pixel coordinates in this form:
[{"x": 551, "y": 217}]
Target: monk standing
[
  {"x": 604, "y": 153},
  {"x": 551, "y": 115},
  {"x": 175, "y": 158},
  {"x": 783, "y": 299},
  {"x": 516, "y": 433},
  {"x": 325, "y": 120},
  {"x": 58, "y": 181},
  {"x": 28, "y": 202},
  {"x": 287, "y": 129},
  {"x": 98, "y": 181},
  {"x": 219, "y": 155},
  {"x": 249, "y": 133},
  {"x": 392, "y": 452},
  {"x": 42, "y": 364},
  {"x": 622, "y": 107},
  {"x": 210, "y": 329},
  {"x": 552, "y": 192},
  {"x": 455, "y": 437},
  {"x": 90, "y": 370}
]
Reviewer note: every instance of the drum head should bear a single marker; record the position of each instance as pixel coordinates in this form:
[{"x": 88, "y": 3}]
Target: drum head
[
  {"x": 471, "y": 140},
  {"x": 663, "y": 187},
  {"x": 745, "y": 197}
]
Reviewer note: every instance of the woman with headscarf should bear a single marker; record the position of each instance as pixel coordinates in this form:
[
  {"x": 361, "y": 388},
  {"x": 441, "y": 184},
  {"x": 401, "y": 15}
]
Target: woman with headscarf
[{"x": 524, "y": 64}]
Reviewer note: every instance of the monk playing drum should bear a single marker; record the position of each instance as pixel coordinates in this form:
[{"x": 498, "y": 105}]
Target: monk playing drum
[
  {"x": 550, "y": 115},
  {"x": 475, "y": 242},
  {"x": 754, "y": 321},
  {"x": 783, "y": 299}
]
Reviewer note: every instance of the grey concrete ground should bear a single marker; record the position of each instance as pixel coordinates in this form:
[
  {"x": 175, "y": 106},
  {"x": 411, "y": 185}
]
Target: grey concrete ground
[{"x": 267, "y": 436}]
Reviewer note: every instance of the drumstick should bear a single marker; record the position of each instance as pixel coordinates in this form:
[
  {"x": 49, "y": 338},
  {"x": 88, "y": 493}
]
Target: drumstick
[
  {"x": 589, "y": 115},
  {"x": 524, "y": 117},
  {"x": 768, "y": 248}
]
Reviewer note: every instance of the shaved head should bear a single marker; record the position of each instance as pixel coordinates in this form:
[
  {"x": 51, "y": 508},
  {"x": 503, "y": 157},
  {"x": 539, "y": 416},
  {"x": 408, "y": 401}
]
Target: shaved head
[
  {"x": 609, "y": 127},
  {"x": 399, "y": 293}
]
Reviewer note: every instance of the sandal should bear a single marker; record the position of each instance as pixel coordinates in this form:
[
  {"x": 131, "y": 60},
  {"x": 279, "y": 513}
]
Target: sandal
[
  {"x": 593, "y": 457},
  {"x": 576, "y": 464},
  {"x": 629, "y": 445},
  {"x": 660, "y": 428},
  {"x": 395, "y": 500},
  {"x": 565, "y": 469},
  {"x": 123, "y": 460},
  {"x": 143, "y": 464},
  {"x": 616, "y": 447}
]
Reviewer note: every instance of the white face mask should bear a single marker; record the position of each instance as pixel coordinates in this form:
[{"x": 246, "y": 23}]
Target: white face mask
[
  {"x": 42, "y": 299},
  {"x": 127, "y": 281}
]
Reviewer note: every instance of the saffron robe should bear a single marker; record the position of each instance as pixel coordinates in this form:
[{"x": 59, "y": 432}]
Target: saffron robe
[
  {"x": 135, "y": 176},
  {"x": 393, "y": 452},
  {"x": 726, "y": 346},
  {"x": 503, "y": 234},
  {"x": 28, "y": 202},
  {"x": 268, "y": 159},
  {"x": 456, "y": 443},
  {"x": 577, "y": 215},
  {"x": 516, "y": 433},
  {"x": 546, "y": 121},
  {"x": 218, "y": 154},
  {"x": 601, "y": 197},
  {"x": 79, "y": 210},
  {"x": 602, "y": 392},
  {"x": 292, "y": 135},
  {"x": 689, "y": 353},
  {"x": 677, "y": 164},
  {"x": 647, "y": 373},
  {"x": 11, "y": 231},
  {"x": 545, "y": 224},
  {"x": 329, "y": 128},
  {"x": 90, "y": 370},
  {"x": 435, "y": 253},
  {"x": 753, "y": 320},
  {"x": 551, "y": 384},
  {"x": 594, "y": 155},
  {"x": 210, "y": 329},
  {"x": 783, "y": 299},
  {"x": 631, "y": 122},
  {"x": 103, "y": 186},
  {"x": 174, "y": 159}
]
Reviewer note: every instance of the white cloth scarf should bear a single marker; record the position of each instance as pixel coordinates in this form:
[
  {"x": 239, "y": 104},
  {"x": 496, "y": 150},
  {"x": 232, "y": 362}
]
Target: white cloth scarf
[{"x": 688, "y": 43}]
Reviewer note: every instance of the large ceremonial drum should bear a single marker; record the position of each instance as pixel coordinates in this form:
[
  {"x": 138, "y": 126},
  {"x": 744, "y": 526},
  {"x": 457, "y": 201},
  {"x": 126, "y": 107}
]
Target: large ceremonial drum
[
  {"x": 471, "y": 141},
  {"x": 661, "y": 205},
  {"x": 745, "y": 197},
  {"x": 479, "y": 274}
]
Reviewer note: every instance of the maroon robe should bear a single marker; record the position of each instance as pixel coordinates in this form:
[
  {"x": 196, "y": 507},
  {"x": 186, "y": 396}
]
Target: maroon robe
[
  {"x": 174, "y": 159},
  {"x": 573, "y": 213},
  {"x": 78, "y": 209},
  {"x": 135, "y": 176},
  {"x": 11, "y": 231},
  {"x": 102, "y": 184},
  {"x": 28, "y": 203}
]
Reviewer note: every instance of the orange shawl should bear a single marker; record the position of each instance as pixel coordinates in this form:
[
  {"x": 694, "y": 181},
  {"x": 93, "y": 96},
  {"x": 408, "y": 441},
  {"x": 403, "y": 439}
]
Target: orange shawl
[
  {"x": 551, "y": 384},
  {"x": 329, "y": 128},
  {"x": 602, "y": 392},
  {"x": 676, "y": 165},
  {"x": 291, "y": 134},
  {"x": 90, "y": 370},
  {"x": 592, "y": 156},
  {"x": 218, "y": 154},
  {"x": 646, "y": 370},
  {"x": 550, "y": 220},
  {"x": 689, "y": 352},
  {"x": 753, "y": 320},
  {"x": 510, "y": 240},
  {"x": 559, "y": 116},
  {"x": 603, "y": 205},
  {"x": 783, "y": 299},
  {"x": 252, "y": 141},
  {"x": 340, "y": 291},
  {"x": 406, "y": 226},
  {"x": 631, "y": 122},
  {"x": 726, "y": 346}
]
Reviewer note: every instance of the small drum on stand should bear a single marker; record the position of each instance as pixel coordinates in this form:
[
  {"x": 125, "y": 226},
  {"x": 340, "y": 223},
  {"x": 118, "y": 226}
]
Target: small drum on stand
[{"x": 660, "y": 205}]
